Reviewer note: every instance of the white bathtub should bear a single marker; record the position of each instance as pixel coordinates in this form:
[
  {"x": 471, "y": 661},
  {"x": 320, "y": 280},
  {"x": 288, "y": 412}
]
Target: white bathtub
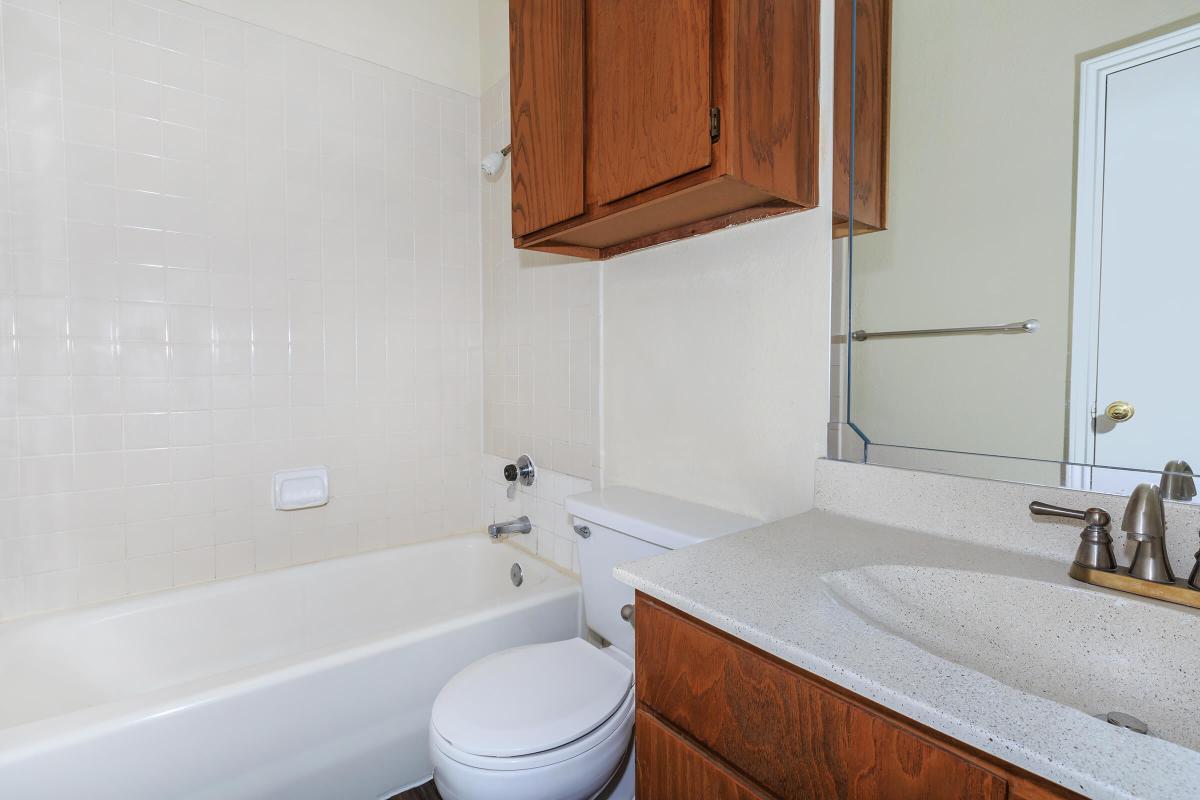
[{"x": 309, "y": 682}]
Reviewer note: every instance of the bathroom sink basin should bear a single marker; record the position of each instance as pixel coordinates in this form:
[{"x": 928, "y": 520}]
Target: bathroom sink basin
[{"x": 1087, "y": 649}]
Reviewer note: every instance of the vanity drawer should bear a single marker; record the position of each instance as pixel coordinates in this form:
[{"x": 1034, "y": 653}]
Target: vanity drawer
[
  {"x": 669, "y": 768},
  {"x": 794, "y": 736}
]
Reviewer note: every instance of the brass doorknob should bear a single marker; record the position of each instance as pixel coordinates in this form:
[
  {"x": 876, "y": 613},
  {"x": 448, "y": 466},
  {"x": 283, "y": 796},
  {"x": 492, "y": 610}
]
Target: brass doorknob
[{"x": 1119, "y": 411}]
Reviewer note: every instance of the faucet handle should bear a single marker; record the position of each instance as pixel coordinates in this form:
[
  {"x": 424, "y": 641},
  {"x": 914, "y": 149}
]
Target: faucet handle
[
  {"x": 1095, "y": 544},
  {"x": 524, "y": 472},
  {"x": 1094, "y": 517}
]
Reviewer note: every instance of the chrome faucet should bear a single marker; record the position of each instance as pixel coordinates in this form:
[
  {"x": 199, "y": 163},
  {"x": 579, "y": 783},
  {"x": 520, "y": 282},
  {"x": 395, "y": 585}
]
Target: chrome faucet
[
  {"x": 1149, "y": 573},
  {"x": 519, "y": 525}
]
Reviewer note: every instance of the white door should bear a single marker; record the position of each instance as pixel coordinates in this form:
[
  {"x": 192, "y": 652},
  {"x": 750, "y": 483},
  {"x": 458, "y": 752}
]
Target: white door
[{"x": 1148, "y": 331}]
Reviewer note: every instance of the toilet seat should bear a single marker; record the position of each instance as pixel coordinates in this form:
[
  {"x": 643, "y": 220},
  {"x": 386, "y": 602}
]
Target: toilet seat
[
  {"x": 618, "y": 724},
  {"x": 532, "y": 706},
  {"x": 581, "y": 770}
]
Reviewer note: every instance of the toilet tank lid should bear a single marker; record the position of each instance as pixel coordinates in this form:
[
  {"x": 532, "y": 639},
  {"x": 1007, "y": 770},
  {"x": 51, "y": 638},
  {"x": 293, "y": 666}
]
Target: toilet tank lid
[{"x": 655, "y": 518}]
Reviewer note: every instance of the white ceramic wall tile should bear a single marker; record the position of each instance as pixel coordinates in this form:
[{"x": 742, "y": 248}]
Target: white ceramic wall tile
[
  {"x": 223, "y": 255},
  {"x": 553, "y": 537},
  {"x": 541, "y": 331}
]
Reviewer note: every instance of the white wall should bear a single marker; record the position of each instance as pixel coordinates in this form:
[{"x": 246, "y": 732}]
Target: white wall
[
  {"x": 226, "y": 252},
  {"x": 716, "y": 357},
  {"x": 980, "y": 216},
  {"x": 437, "y": 40},
  {"x": 493, "y": 42}
]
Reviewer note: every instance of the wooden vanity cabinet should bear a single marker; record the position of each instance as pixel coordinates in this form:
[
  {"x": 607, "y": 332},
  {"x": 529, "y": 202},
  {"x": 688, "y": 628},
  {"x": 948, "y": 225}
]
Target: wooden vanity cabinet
[
  {"x": 718, "y": 718},
  {"x": 636, "y": 122}
]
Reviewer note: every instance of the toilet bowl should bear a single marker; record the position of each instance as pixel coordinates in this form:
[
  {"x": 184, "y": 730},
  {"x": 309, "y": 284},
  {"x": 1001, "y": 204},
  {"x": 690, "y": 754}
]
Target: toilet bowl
[
  {"x": 541, "y": 722},
  {"x": 555, "y": 721}
]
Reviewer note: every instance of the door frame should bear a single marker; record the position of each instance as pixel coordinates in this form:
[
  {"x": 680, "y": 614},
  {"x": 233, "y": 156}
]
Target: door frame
[{"x": 1089, "y": 211}]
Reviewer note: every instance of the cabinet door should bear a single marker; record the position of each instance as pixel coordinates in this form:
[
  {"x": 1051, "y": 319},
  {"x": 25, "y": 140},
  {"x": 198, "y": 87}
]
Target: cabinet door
[
  {"x": 649, "y": 68},
  {"x": 546, "y": 86},
  {"x": 669, "y": 768}
]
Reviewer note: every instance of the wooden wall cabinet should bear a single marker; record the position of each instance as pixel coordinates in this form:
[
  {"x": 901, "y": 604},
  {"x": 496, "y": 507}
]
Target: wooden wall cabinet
[
  {"x": 718, "y": 718},
  {"x": 636, "y": 122},
  {"x": 861, "y": 100}
]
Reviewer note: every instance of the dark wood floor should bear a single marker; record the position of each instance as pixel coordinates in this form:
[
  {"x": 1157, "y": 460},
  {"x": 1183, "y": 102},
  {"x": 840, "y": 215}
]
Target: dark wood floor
[{"x": 425, "y": 791}]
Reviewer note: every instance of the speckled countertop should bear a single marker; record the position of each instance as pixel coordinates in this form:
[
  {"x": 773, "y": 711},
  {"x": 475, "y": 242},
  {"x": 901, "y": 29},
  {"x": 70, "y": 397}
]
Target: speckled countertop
[{"x": 801, "y": 589}]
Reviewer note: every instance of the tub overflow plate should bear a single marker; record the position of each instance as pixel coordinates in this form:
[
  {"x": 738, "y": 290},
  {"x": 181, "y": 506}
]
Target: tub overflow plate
[{"x": 516, "y": 574}]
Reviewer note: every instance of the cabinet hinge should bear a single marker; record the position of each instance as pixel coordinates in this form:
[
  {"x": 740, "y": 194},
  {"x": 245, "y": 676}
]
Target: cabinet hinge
[{"x": 714, "y": 123}]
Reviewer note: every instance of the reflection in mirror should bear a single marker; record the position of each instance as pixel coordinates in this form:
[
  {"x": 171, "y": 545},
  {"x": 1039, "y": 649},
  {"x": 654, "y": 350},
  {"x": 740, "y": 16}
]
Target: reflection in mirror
[{"x": 1043, "y": 178}]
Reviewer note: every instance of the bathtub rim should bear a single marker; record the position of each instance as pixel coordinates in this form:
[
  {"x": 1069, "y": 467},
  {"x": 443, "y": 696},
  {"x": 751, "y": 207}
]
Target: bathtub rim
[
  {"x": 165, "y": 596},
  {"x": 29, "y": 739}
]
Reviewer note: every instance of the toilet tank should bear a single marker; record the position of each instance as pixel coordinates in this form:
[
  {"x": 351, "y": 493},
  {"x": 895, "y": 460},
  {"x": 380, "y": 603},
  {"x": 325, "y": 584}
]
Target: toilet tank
[{"x": 627, "y": 525}]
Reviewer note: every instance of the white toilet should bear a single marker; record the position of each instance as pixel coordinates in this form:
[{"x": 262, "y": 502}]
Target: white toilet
[{"x": 555, "y": 721}]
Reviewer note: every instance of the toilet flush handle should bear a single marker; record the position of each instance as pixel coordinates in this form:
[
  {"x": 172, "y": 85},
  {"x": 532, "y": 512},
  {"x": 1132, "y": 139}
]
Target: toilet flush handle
[{"x": 627, "y": 613}]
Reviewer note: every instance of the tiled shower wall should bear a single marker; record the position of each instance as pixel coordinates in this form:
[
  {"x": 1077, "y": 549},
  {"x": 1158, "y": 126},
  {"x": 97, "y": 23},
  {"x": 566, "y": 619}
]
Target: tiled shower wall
[
  {"x": 541, "y": 333},
  {"x": 225, "y": 252}
]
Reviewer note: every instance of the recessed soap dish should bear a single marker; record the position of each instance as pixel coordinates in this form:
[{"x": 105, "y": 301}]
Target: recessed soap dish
[{"x": 294, "y": 489}]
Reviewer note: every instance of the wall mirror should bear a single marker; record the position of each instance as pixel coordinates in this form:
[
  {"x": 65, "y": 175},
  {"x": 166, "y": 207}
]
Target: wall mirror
[{"x": 1027, "y": 311}]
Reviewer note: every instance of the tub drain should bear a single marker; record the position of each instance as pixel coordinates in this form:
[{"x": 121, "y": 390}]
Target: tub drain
[{"x": 516, "y": 574}]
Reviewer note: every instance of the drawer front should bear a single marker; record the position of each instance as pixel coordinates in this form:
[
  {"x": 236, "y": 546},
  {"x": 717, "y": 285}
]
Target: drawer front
[
  {"x": 793, "y": 736},
  {"x": 670, "y": 768}
]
